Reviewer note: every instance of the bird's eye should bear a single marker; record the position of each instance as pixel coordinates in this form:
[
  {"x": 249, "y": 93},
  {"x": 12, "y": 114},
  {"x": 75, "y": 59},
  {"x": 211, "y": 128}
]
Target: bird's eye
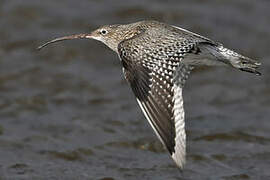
[{"x": 103, "y": 31}]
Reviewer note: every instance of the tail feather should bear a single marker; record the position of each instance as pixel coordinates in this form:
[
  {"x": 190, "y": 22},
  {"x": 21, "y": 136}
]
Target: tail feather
[
  {"x": 249, "y": 65},
  {"x": 238, "y": 61},
  {"x": 216, "y": 54}
]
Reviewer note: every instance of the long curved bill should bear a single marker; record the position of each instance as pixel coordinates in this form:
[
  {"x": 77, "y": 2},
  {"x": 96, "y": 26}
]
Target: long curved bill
[{"x": 76, "y": 36}]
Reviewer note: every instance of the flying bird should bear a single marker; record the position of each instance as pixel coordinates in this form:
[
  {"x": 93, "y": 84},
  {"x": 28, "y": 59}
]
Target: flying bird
[{"x": 157, "y": 59}]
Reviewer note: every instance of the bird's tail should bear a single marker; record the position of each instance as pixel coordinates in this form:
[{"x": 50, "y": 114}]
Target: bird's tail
[
  {"x": 238, "y": 61},
  {"x": 248, "y": 65}
]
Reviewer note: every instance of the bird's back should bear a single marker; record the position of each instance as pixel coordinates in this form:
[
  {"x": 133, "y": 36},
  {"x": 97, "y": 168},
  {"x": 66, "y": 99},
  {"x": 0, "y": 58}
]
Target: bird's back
[{"x": 161, "y": 41}]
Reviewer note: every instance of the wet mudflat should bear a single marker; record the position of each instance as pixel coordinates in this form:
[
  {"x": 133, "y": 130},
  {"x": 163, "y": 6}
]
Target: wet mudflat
[{"x": 66, "y": 112}]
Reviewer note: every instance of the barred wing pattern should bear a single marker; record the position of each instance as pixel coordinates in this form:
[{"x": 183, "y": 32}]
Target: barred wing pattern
[{"x": 157, "y": 85}]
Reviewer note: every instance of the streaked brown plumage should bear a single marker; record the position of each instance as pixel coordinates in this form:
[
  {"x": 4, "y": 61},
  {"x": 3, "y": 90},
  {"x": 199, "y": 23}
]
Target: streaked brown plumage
[{"x": 157, "y": 59}]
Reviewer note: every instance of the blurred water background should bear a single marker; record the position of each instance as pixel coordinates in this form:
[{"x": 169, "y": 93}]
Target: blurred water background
[{"x": 66, "y": 112}]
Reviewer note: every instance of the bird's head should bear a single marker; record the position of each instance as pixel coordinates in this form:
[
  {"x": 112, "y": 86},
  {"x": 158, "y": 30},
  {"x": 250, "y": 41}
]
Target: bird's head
[{"x": 110, "y": 35}]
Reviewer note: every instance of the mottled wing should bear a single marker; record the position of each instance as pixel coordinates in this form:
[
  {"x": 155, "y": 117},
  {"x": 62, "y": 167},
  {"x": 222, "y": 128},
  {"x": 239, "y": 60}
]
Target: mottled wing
[{"x": 157, "y": 83}]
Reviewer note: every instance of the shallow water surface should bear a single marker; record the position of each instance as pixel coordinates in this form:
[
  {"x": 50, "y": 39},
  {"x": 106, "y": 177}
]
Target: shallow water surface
[{"x": 66, "y": 112}]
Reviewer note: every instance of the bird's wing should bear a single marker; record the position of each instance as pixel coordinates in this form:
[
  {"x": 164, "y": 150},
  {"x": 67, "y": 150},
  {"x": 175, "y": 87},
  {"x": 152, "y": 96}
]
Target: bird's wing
[{"x": 157, "y": 85}]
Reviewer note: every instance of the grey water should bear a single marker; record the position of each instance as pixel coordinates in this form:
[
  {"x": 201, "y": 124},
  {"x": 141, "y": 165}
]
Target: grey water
[{"x": 66, "y": 112}]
